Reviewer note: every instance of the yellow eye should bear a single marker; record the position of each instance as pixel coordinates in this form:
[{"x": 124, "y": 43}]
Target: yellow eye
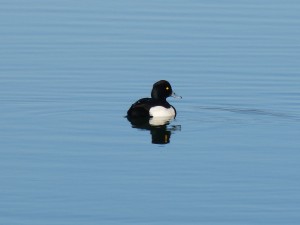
[{"x": 167, "y": 88}]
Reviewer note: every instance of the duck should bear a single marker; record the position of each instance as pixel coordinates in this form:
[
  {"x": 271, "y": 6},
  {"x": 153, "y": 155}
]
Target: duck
[{"x": 157, "y": 105}]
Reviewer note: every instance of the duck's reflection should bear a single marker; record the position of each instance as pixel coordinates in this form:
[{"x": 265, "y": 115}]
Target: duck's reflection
[{"x": 159, "y": 128}]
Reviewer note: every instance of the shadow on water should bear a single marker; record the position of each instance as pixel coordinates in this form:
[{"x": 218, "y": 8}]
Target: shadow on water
[{"x": 159, "y": 128}]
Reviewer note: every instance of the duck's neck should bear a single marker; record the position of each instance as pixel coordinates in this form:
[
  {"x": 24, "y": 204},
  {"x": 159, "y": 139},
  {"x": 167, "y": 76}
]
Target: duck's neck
[{"x": 158, "y": 96}]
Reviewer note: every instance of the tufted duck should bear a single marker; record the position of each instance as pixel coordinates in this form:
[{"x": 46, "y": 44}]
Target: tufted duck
[{"x": 157, "y": 105}]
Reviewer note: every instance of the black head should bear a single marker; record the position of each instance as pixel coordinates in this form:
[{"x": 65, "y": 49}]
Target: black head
[{"x": 161, "y": 90}]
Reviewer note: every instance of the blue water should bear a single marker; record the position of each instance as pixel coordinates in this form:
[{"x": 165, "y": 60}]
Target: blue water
[{"x": 69, "y": 70}]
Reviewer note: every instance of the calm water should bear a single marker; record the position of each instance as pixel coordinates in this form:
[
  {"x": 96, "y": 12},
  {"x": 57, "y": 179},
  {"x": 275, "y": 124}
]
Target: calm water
[{"x": 69, "y": 70}]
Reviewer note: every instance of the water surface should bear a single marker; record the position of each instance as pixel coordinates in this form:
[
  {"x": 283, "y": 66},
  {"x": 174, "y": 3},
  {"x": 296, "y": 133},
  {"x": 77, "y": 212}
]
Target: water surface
[{"x": 70, "y": 70}]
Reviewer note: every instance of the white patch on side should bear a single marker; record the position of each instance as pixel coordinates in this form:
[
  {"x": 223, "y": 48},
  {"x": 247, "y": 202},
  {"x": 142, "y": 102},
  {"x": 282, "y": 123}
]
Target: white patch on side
[
  {"x": 159, "y": 121},
  {"x": 159, "y": 111}
]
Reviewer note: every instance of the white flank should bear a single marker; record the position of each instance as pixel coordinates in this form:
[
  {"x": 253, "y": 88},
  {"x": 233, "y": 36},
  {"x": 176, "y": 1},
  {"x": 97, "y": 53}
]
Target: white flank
[
  {"x": 159, "y": 121},
  {"x": 159, "y": 111}
]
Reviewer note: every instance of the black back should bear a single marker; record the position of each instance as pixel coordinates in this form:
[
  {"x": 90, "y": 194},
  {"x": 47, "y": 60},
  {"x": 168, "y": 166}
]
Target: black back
[{"x": 141, "y": 107}]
